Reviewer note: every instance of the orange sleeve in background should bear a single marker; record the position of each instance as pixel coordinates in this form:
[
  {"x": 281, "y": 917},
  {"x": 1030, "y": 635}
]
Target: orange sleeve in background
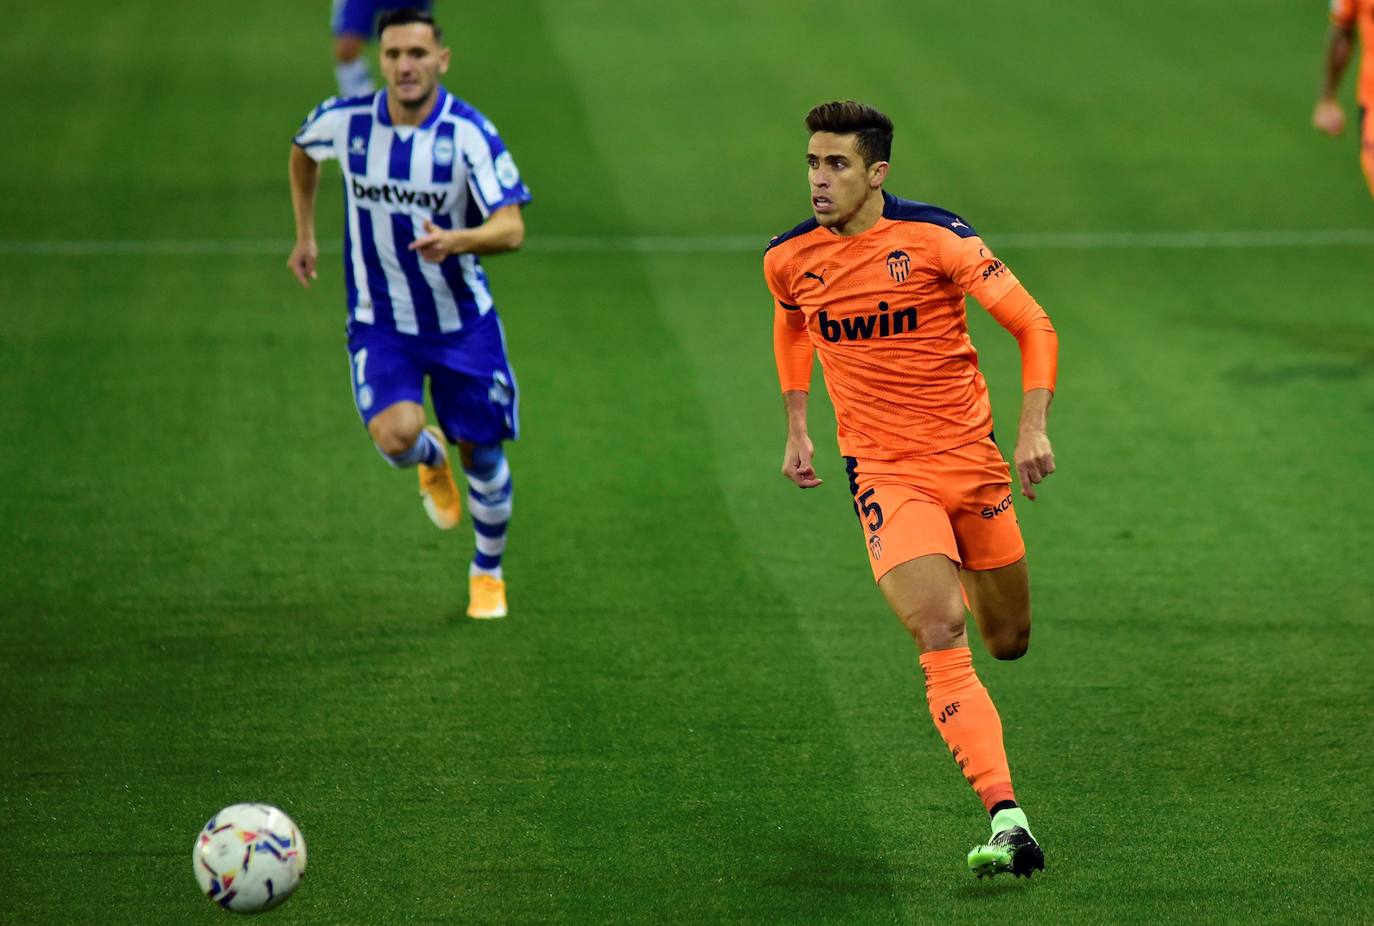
[
  {"x": 792, "y": 349},
  {"x": 1018, "y": 312},
  {"x": 1343, "y": 13}
]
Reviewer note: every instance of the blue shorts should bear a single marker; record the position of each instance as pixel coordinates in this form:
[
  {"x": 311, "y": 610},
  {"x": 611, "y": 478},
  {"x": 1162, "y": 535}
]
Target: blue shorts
[
  {"x": 359, "y": 17},
  {"x": 470, "y": 380}
]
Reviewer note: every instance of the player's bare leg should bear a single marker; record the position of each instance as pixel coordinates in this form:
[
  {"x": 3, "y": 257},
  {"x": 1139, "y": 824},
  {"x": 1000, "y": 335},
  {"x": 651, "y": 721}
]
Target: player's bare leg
[
  {"x": 349, "y": 67},
  {"x": 400, "y": 434},
  {"x": 925, "y": 594},
  {"x": 395, "y": 428},
  {"x": 1000, "y": 601}
]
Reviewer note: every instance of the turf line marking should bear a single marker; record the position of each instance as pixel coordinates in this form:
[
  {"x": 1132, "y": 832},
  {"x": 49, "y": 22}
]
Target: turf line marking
[{"x": 709, "y": 244}]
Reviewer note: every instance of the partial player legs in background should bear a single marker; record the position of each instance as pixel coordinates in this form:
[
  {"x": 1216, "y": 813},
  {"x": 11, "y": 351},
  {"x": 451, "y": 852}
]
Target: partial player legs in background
[
  {"x": 350, "y": 70},
  {"x": 353, "y": 23},
  {"x": 1367, "y": 147},
  {"x": 490, "y": 501},
  {"x": 925, "y": 594}
]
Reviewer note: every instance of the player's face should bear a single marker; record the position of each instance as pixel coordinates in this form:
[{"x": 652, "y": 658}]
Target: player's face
[
  {"x": 840, "y": 181},
  {"x": 412, "y": 62}
]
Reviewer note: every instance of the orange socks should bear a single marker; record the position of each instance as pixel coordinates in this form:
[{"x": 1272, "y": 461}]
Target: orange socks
[{"x": 967, "y": 720}]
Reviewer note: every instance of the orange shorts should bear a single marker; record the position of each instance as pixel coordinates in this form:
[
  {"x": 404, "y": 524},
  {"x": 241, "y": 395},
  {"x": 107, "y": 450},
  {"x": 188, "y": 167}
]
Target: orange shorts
[{"x": 957, "y": 502}]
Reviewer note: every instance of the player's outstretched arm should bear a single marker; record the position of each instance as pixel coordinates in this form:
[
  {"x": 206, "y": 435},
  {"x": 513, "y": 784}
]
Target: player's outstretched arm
[
  {"x": 305, "y": 183},
  {"x": 1022, "y": 316},
  {"x": 504, "y": 230},
  {"x": 1034, "y": 456},
  {"x": 797, "y": 458},
  {"x": 1328, "y": 117}
]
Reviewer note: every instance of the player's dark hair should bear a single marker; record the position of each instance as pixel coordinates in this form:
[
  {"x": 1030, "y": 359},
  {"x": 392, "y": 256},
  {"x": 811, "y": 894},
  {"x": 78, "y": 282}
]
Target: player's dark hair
[
  {"x": 404, "y": 17},
  {"x": 850, "y": 118}
]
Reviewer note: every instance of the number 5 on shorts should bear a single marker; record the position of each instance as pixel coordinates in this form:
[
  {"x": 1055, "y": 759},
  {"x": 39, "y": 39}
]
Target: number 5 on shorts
[{"x": 870, "y": 508}]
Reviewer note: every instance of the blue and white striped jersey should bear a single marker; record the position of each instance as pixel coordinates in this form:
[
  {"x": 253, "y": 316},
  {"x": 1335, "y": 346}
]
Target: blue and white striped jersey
[{"x": 453, "y": 170}]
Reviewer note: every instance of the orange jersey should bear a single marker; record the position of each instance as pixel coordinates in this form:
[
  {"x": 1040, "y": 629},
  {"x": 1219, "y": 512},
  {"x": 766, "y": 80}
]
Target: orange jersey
[
  {"x": 885, "y": 311},
  {"x": 1346, "y": 14}
]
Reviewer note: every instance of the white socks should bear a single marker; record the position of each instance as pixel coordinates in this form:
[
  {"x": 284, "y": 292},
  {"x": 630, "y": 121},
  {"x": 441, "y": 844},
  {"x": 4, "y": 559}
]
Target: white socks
[{"x": 354, "y": 80}]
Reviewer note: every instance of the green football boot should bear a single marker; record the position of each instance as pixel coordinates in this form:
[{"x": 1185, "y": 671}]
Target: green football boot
[{"x": 1011, "y": 849}]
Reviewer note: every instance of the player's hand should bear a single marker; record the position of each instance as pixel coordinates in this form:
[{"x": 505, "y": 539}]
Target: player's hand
[
  {"x": 434, "y": 245},
  {"x": 1328, "y": 118},
  {"x": 1034, "y": 460},
  {"x": 796, "y": 462},
  {"x": 302, "y": 261}
]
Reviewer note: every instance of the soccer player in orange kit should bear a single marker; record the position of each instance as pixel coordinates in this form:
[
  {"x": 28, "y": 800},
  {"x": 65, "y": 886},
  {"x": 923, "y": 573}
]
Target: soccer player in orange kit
[
  {"x": 875, "y": 285},
  {"x": 1328, "y": 117}
]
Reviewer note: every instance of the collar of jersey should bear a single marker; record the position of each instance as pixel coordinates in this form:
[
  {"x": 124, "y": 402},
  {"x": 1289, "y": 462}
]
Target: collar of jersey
[{"x": 440, "y": 105}]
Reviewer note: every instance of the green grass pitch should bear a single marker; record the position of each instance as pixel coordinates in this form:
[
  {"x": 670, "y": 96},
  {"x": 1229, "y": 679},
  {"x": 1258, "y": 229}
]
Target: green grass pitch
[{"x": 700, "y": 711}]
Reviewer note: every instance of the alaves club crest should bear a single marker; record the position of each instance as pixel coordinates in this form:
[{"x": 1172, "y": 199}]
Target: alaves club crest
[{"x": 443, "y": 151}]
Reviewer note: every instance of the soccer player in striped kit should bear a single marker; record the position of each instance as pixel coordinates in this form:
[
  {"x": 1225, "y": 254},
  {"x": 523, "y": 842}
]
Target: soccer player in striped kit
[{"x": 428, "y": 186}]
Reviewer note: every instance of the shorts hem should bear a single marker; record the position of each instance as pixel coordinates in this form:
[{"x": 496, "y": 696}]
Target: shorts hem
[
  {"x": 997, "y": 563},
  {"x": 888, "y": 567}
]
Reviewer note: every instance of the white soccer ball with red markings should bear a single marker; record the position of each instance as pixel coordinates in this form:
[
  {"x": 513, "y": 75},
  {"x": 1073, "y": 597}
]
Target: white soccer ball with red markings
[{"x": 249, "y": 857}]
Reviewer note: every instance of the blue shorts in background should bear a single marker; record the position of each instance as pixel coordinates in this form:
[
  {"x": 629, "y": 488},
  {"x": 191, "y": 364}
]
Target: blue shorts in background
[
  {"x": 359, "y": 17},
  {"x": 470, "y": 380}
]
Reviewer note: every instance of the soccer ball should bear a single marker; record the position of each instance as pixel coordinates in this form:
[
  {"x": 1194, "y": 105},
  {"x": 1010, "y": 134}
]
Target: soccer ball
[{"x": 249, "y": 857}]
